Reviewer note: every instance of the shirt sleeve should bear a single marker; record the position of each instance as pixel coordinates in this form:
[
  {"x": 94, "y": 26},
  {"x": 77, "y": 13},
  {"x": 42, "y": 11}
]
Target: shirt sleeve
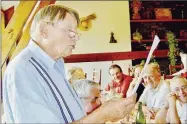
[
  {"x": 143, "y": 97},
  {"x": 24, "y": 99},
  {"x": 126, "y": 84}
]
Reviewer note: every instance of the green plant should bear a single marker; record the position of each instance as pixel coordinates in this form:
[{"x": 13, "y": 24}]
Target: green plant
[{"x": 172, "y": 44}]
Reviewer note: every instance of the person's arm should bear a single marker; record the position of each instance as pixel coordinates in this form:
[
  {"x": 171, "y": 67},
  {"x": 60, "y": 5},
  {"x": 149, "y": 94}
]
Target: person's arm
[
  {"x": 112, "y": 110},
  {"x": 161, "y": 116},
  {"x": 23, "y": 99},
  {"x": 173, "y": 115},
  {"x": 126, "y": 84},
  {"x": 132, "y": 84},
  {"x": 178, "y": 73}
]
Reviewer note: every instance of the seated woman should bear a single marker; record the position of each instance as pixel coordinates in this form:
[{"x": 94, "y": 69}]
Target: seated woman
[
  {"x": 141, "y": 87},
  {"x": 183, "y": 55},
  {"x": 175, "y": 107}
]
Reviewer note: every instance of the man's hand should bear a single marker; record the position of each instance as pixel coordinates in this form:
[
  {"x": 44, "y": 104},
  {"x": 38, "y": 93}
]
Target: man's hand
[
  {"x": 151, "y": 114},
  {"x": 117, "y": 108},
  {"x": 172, "y": 99}
]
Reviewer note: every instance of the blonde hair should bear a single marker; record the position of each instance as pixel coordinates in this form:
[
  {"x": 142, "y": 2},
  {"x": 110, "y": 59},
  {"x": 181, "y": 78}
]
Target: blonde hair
[
  {"x": 154, "y": 66},
  {"x": 75, "y": 73},
  {"x": 51, "y": 11}
]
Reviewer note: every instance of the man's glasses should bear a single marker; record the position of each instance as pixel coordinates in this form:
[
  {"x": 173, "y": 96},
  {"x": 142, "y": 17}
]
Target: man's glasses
[
  {"x": 71, "y": 34},
  {"x": 183, "y": 88}
]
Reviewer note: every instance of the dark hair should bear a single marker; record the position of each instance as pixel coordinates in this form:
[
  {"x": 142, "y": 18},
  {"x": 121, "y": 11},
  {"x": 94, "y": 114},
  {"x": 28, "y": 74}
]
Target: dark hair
[{"x": 115, "y": 66}]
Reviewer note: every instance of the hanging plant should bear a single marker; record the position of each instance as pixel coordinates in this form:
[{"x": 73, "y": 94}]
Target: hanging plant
[{"x": 172, "y": 44}]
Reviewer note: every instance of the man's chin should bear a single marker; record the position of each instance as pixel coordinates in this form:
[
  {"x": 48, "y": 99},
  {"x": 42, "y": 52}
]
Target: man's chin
[{"x": 67, "y": 54}]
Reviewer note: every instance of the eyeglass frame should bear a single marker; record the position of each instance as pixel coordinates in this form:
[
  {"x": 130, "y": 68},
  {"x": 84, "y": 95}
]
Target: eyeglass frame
[
  {"x": 66, "y": 30},
  {"x": 183, "y": 88}
]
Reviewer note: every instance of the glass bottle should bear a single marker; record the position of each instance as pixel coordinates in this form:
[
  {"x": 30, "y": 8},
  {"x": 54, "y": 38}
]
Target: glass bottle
[{"x": 140, "y": 118}]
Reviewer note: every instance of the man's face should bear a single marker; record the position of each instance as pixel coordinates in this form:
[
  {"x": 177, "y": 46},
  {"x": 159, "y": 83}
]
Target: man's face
[
  {"x": 116, "y": 75},
  {"x": 151, "y": 78},
  {"x": 94, "y": 100},
  {"x": 62, "y": 36},
  {"x": 179, "y": 86}
]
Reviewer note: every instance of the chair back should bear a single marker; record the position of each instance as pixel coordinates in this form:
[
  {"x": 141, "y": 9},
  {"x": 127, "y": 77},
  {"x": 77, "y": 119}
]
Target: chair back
[{"x": 173, "y": 69}]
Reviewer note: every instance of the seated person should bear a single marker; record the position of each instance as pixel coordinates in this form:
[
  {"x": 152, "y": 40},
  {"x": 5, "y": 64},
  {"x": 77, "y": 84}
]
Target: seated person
[
  {"x": 120, "y": 82},
  {"x": 141, "y": 87},
  {"x": 175, "y": 107},
  {"x": 89, "y": 93},
  {"x": 183, "y": 56},
  {"x": 75, "y": 73},
  {"x": 155, "y": 92}
]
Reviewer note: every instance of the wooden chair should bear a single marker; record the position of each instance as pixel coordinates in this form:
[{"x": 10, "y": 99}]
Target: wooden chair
[
  {"x": 167, "y": 76},
  {"x": 179, "y": 67},
  {"x": 130, "y": 70}
]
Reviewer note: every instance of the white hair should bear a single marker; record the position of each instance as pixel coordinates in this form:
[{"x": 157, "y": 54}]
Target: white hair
[{"x": 83, "y": 87}]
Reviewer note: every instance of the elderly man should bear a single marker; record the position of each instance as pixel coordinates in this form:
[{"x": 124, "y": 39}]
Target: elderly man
[
  {"x": 176, "y": 103},
  {"x": 89, "y": 93},
  {"x": 35, "y": 88},
  {"x": 156, "y": 90},
  {"x": 120, "y": 82}
]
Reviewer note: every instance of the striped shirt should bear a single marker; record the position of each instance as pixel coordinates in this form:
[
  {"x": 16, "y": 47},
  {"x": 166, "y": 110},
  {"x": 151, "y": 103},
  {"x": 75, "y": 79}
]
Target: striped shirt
[{"x": 35, "y": 90}]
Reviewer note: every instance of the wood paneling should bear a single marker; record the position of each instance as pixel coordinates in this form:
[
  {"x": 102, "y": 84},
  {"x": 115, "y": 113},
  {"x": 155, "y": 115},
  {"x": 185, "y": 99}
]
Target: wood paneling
[
  {"x": 15, "y": 26},
  {"x": 113, "y": 56},
  {"x": 8, "y": 15}
]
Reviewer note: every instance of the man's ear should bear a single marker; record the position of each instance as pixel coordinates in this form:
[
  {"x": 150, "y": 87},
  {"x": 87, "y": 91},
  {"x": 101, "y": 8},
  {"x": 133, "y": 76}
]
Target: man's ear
[{"x": 43, "y": 30}]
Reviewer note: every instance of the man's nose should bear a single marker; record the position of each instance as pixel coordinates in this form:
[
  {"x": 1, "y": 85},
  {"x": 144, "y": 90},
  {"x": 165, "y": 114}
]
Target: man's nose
[
  {"x": 115, "y": 76},
  {"x": 76, "y": 38}
]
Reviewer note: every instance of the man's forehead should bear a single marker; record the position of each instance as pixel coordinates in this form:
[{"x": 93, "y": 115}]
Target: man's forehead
[
  {"x": 68, "y": 20},
  {"x": 148, "y": 72},
  {"x": 178, "y": 82}
]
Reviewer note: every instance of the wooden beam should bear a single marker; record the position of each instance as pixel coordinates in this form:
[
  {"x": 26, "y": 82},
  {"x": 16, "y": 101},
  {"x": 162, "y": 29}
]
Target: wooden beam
[
  {"x": 113, "y": 56},
  {"x": 8, "y": 15},
  {"x": 2, "y": 21},
  {"x": 26, "y": 35},
  {"x": 15, "y": 26}
]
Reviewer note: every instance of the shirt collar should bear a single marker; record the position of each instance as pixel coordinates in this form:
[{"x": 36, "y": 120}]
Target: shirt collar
[
  {"x": 41, "y": 55},
  {"x": 158, "y": 87}
]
